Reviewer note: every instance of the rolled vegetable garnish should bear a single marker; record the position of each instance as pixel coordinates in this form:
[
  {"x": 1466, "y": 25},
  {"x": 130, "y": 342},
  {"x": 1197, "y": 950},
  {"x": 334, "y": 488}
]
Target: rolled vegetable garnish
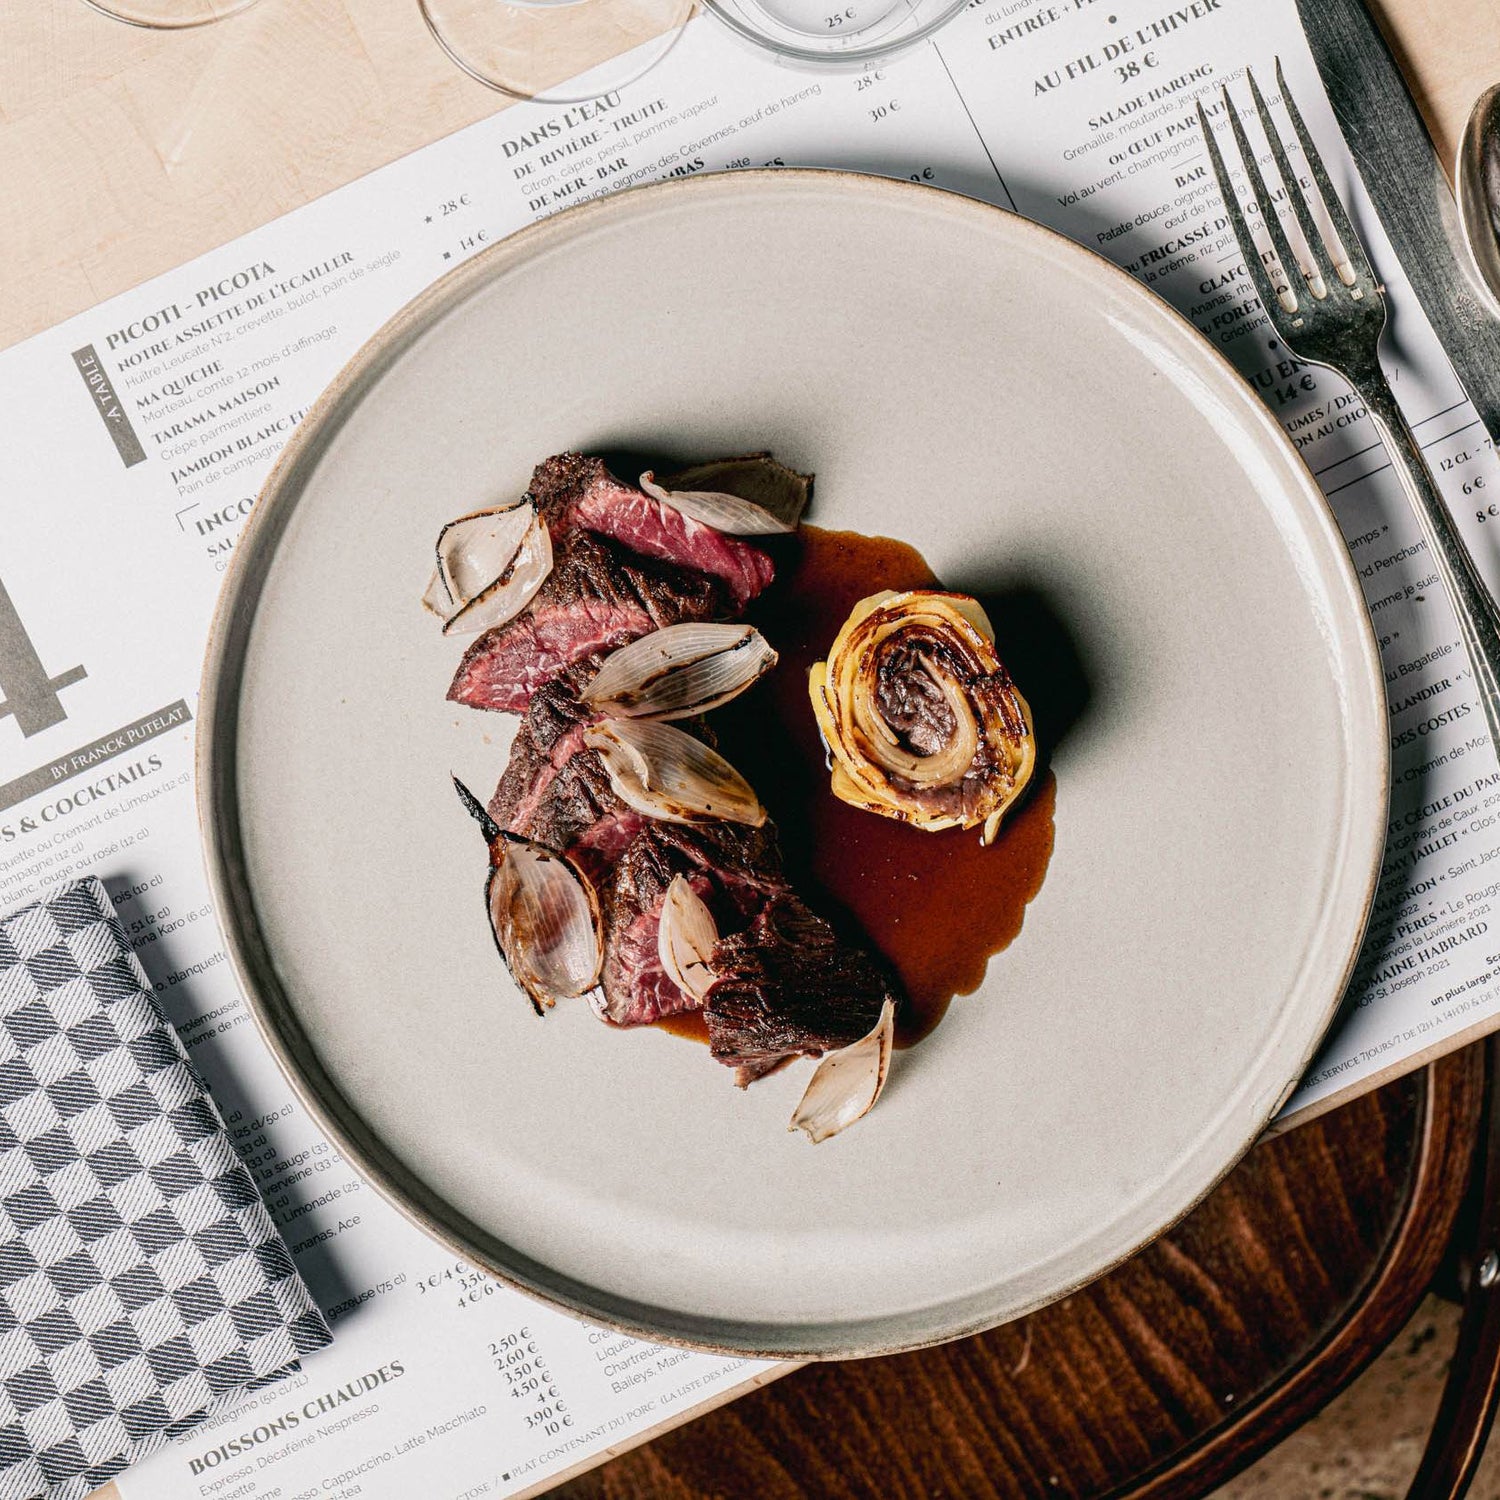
[{"x": 921, "y": 720}]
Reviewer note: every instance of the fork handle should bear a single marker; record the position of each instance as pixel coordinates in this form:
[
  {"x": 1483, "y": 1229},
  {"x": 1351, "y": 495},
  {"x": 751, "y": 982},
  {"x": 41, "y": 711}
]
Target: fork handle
[{"x": 1474, "y": 605}]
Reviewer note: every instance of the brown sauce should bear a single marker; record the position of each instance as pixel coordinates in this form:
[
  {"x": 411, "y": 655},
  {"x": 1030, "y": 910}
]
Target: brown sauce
[
  {"x": 939, "y": 906},
  {"x": 687, "y": 1023}
]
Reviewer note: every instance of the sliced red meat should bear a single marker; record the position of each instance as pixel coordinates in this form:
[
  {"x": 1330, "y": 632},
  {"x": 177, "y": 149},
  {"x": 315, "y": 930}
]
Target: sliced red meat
[
  {"x": 528, "y": 778},
  {"x": 735, "y": 870},
  {"x": 596, "y": 597},
  {"x": 573, "y": 491},
  {"x": 656, "y": 530},
  {"x": 627, "y": 565},
  {"x": 788, "y": 986},
  {"x": 600, "y": 847},
  {"x": 555, "y": 790},
  {"x": 577, "y": 813},
  {"x": 550, "y": 734},
  {"x": 572, "y": 802},
  {"x": 637, "y": 990}
]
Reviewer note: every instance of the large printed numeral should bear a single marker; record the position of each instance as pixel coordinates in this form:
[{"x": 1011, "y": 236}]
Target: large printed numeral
[{"x": 30, "y": 694}]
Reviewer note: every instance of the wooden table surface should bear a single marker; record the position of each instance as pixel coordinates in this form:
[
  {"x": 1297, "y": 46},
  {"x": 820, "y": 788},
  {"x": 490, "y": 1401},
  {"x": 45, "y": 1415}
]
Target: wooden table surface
[
  {"x": 1157, "y": 1381},
  {"x": 125, "y": 152}
]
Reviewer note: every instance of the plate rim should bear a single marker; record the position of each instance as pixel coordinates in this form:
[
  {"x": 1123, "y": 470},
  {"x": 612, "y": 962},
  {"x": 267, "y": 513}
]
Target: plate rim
[{"x": 215, "y": 761}]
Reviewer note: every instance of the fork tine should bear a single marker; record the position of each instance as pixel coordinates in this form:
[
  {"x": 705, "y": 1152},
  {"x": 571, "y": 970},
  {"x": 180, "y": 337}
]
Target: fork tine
[
  {"x": 1262, "y": 195},
  {"x": 1322, "y": 264},
  {"x": 1270, "y": 297},
  {"x": 1354, "y": 263}
]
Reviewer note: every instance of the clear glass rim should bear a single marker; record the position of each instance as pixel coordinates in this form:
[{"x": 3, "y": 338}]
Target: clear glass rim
[
  {"x": 103, "y": 8},
  {"x": 551, "y": 94},
  {"x": 841, "y": 57}
]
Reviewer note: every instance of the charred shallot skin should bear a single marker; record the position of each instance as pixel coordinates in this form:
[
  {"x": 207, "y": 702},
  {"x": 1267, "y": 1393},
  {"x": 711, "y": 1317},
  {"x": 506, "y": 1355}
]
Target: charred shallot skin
[
  {"x": 544, "y": 913},
  {"x": 921, "y": 720}
]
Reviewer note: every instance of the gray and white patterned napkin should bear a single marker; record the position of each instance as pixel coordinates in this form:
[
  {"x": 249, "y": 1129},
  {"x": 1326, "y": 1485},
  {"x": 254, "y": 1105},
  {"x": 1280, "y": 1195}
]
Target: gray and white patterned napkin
[{"x": 142, "y": 1282}]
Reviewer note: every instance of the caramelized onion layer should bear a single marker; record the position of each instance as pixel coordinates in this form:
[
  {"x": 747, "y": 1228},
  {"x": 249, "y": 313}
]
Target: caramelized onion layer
[{"x": 921, "y": 720}]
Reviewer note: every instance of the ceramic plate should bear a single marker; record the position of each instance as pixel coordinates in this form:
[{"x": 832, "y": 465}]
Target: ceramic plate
[{"x": 1032, "y": 420}]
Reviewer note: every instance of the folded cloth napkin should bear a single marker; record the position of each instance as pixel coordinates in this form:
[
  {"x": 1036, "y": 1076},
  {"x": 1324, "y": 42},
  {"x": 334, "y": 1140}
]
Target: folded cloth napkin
[{"x": 142, "y": 1282}]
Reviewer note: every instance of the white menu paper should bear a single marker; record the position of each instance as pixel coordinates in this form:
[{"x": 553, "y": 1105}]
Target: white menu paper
[{"x": 137, "y": 434}]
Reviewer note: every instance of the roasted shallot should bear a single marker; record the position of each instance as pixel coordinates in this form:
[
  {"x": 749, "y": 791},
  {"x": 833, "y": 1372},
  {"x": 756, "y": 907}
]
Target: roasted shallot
[
  {"x": 679, "y": 671},
  {"x": 846, "y": 1083},
  {"x": 545, "y": 917},
  {"x": 489, "y": 567},
  {"x": 664, "y": 772},
  {"x": 750, "y": 496},
  {"x": 544, "y": 913},
  {"x": 685, "y": 939}
]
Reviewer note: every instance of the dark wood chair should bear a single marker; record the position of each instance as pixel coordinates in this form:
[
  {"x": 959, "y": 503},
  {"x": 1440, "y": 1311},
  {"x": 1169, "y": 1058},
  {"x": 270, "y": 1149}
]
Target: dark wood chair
[{"x": 1170, "y": 1374}]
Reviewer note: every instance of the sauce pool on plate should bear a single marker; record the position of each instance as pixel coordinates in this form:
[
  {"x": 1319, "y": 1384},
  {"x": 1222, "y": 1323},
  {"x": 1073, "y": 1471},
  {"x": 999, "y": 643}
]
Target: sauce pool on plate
[{"x": 938, "y": 906}]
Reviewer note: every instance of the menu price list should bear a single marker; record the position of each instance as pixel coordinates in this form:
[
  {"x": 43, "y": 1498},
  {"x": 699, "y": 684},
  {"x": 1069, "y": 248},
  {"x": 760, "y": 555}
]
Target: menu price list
[
  {"x": 306, "y": 1439},
  {"x": 522, "y": 1404}
]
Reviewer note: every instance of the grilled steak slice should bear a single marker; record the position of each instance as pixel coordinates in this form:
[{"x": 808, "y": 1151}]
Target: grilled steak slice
[
  {"x": 554, "y": 788},
  {"x": 551, "y": 733},
  {"x": 574, "y": 492},
  {"x": 735, "y": 870},
  {"x": 579, "y": 814},
  {"x": 597, "y": 597},
  {"x": 788, "y": 986},
  {"x": 637, "y": 990}
]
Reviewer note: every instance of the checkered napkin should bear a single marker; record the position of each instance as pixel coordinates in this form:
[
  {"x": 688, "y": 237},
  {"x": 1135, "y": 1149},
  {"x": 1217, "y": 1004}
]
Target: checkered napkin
[{"x": 142, "y": 1282}]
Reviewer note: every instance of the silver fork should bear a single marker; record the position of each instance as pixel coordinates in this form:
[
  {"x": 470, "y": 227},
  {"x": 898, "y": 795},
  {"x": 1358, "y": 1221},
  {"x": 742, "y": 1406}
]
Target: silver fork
[{"x": 1335, "y": 319}]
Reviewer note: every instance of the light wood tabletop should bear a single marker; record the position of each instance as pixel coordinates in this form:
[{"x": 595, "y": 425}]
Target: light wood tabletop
[{"x": 124, "y": 152}]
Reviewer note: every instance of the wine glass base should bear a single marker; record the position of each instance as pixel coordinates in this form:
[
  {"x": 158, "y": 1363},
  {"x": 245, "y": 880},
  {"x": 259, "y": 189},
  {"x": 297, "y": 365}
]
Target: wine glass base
[
  {"x": 853, "y": 34},
  {"x": 169, "y": 15},
  {"x": 535, "y": 49}
]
